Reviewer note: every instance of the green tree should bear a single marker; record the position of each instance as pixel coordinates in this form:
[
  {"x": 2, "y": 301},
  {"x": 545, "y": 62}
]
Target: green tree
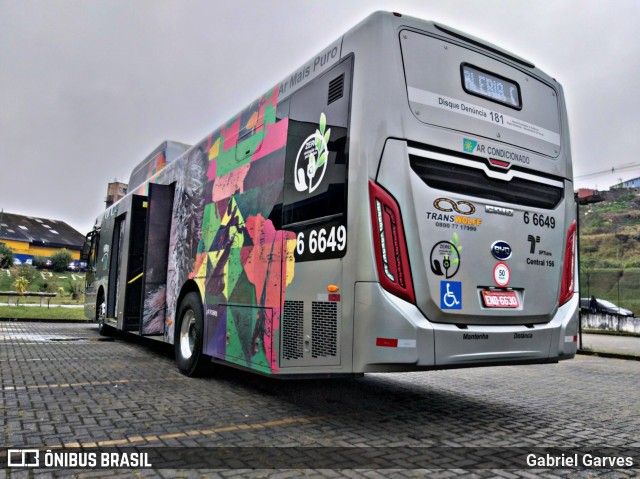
[
  {"x": 6, "y": 256},
  {"x": 21, "y": 284},
  {"x": 61, "y": 260}
]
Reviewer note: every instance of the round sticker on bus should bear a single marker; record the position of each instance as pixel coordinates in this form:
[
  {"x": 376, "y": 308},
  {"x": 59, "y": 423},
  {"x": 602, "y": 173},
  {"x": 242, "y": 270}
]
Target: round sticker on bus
[
  {"x": 314, "y": 153},
  {"x": 501, "y": 274}
]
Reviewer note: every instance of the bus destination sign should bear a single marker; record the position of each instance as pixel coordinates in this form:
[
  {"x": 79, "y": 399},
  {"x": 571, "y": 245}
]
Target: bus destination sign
[{"x": 492, "y": 87}]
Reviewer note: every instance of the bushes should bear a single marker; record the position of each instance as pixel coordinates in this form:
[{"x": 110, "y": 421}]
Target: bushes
[
  {"x": 26, "y": 271},
  {"x": 39, "y": 262},
  {"x": 75, "y": 289},
  {"x": 47, "y": 286},
  {"x": 6, "y": 256},
  {"x": 61, "y": 259}
]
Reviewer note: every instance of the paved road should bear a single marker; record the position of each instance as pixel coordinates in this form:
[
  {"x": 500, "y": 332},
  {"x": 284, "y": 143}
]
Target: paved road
[
  {"x": 60, "y": 386},
  {"x": 612, "y": 344}
]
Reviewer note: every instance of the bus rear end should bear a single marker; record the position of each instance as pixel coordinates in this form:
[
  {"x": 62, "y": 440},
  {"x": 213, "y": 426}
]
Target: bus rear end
[{"x": 472, "y": 213}]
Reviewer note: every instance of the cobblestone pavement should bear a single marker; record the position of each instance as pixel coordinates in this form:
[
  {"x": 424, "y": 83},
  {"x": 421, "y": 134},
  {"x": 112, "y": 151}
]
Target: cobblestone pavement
[{"x": 61, "y": 385}]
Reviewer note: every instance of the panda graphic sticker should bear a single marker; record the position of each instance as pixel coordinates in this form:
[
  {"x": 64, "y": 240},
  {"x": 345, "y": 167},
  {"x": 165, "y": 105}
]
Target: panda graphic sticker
[{"x": 311, "y": 162}]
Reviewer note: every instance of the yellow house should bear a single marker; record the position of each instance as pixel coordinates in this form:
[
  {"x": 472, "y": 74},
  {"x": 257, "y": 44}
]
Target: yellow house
[{"x": 28, "y": 236}]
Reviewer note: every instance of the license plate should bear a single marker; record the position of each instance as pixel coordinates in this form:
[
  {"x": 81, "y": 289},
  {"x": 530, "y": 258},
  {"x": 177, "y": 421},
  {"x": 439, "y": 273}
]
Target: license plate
[{"x": 500, "y": 299}]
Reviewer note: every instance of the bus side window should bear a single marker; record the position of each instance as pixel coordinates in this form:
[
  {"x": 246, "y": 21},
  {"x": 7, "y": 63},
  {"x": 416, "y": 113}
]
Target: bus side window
[
  {"x": 94, "y": 250},
  {"x": 316, "y": 165}
]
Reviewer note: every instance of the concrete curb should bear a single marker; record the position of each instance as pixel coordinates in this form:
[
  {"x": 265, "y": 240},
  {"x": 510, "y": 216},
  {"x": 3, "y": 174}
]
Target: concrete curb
[
  {"x": 604, "y": 354},
  {"x": 611, "y": 333},
  {"x": 41, "y": 320}
]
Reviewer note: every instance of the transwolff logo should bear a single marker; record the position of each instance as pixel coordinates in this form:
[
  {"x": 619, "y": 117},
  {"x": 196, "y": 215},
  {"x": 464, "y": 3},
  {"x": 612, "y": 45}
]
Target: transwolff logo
[{"x": 449, "y": 205}]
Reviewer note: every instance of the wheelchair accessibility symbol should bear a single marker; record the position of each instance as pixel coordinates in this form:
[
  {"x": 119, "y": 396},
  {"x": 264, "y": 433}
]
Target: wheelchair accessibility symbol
[{"x": 450, "y": 295}]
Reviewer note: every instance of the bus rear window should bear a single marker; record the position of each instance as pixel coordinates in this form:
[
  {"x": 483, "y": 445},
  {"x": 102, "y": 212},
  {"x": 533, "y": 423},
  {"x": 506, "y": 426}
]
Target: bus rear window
[{"x": 455, "y": 86}]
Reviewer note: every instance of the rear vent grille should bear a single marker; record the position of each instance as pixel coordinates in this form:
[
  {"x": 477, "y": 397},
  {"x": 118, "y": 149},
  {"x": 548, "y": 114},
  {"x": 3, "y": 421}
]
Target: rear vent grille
[
  {"x": 336, "y": 89},
  {"x": 324, "y": 329},
  {"x": 292, "y": 332},
  {"x": 464, "y": 180}
]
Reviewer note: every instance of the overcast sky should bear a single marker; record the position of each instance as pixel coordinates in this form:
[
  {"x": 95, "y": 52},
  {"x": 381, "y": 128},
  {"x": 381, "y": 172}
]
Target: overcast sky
[{"x": 89, "y": 88}]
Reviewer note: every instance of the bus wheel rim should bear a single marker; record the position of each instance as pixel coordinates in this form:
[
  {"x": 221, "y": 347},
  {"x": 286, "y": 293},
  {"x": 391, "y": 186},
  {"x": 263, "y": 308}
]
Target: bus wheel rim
[
  {"x": 188, "y": 334},
  {"x": 102, "y": 313}
]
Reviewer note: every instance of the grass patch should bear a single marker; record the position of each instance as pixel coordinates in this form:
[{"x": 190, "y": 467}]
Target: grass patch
[
  {"x": 68, "y": 286},
  {"x": 36, "y": 312}
]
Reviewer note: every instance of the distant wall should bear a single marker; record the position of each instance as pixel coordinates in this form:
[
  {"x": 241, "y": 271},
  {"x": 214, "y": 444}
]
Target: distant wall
[{"x": 610, "y": 322}]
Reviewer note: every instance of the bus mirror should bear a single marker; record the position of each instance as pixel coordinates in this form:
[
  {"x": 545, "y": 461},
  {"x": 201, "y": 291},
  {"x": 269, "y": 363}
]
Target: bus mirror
[
  {"x": 86, "y": 247},
  {"x": 84, "y": 256}
]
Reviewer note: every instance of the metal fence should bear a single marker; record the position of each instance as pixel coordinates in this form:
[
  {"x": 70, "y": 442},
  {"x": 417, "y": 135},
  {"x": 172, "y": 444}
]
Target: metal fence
[{"x": 618, "y": 286}]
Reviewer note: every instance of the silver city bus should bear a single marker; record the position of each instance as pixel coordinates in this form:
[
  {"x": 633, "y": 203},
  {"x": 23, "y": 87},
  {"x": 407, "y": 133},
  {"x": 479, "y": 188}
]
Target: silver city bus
[{"x": 402, "y": 201}]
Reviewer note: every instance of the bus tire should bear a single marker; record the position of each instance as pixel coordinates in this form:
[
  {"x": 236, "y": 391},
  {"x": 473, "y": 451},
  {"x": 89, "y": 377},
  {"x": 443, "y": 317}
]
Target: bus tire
[
  {"x": 189, "y": 337},
  {"x": 101, "y": 314}
]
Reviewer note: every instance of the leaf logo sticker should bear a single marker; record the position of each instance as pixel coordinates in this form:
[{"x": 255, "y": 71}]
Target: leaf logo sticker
[{"x": 314, "y": 153}]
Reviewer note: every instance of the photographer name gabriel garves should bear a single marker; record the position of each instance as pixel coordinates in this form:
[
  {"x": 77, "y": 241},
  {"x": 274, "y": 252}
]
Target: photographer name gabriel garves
[{"x": 578, "y": 460}]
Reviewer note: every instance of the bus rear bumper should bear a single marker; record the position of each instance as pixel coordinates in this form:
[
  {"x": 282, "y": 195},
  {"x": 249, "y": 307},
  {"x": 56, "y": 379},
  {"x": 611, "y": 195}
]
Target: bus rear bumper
[
  {"x": 548, "y": 342},
  {"x": 393, "y": 335}
]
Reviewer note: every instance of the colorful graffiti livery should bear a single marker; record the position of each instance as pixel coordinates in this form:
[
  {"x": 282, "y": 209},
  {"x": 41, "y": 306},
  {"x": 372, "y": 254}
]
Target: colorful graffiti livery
[{"x": 241, "y": 258}]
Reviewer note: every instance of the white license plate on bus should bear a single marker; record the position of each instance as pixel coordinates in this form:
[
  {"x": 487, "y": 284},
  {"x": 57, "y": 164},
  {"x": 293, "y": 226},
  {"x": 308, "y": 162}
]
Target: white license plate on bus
[{"x": 500, "y": 299}]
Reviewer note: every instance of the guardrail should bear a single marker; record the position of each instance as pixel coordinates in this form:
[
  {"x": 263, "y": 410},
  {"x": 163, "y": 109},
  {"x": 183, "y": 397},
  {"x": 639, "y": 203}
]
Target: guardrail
[{"x": 43, "y": 296}]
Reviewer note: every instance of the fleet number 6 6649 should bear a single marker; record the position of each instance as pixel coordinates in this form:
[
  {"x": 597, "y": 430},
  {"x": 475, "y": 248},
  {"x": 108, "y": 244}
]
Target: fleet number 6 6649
[
  {"x": 322, "y": 240},
  {"x": 539, "y": 220}
]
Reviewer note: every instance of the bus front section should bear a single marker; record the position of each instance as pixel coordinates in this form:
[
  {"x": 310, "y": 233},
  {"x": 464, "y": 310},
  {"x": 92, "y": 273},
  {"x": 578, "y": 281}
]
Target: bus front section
[{"x": 472, "y": 214}]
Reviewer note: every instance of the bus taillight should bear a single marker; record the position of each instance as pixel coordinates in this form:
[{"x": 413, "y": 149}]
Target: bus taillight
[
  {"x": 568, "y": 268},
  {"x": 392, "y": 258}
]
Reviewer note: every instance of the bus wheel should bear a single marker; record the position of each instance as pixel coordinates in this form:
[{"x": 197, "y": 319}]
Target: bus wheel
[
  {"x": 188, "y": 339},
  {"x": 101, "y": 315}
]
